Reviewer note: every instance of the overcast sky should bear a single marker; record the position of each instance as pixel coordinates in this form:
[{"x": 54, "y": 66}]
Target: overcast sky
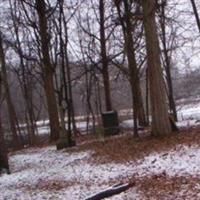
[{"x": 185, "y": 57}]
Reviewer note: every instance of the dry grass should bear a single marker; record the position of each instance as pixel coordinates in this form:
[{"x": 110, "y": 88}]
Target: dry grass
[
  {"x": 49, "y": 185},
  {"x": 169, "y": 188},
  {"x": 122, "y": 148}
]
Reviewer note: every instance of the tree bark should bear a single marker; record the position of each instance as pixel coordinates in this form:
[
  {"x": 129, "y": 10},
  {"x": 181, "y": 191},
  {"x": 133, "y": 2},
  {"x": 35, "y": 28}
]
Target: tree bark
[
  {"x": 159, "y": 109},
  {"x": 196, "y": 13},
  {"x": 138, "y": 107},
  {"x": 4, "y": 165},
  {"x": 24, "y": 81},
  {"x": 134, "y": 73},
  {"x": 147, "y": 95},
  {"x": 104, "y": 58},
  {"x": 48, "y": 71},
  {"x": 167, "y": 65},
  {"x": 10, "y": 107}
]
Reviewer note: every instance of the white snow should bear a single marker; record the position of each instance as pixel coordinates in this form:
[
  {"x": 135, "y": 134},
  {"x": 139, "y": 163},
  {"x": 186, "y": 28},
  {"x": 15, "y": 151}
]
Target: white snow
[
  {"x": 189, "y": 111},
  {"x": 43, "y": 130},
  {"x": 36, "y": 171},
  {"x": 127, "y": 123},
  {"x": 33, "y": 168},
  {"x": 182, "y": 160}
]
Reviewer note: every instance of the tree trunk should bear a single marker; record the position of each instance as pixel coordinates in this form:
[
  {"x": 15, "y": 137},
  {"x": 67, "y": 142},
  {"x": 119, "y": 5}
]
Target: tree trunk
[
  {"x": 104, "y": 58},
  {"x": 138, "y": 107},
  {"x": 30, "y": 119},
  {"x": 10, "y": 107},
  {"x": 147, "y": 95},
  {"x": 134, "y": 73},
  {"x": 159, "y": 109},
  {"x": 68, "y": 69},
  {"x": 167, "y": 65},
  {"x": 48, "y": 71},
  {"x": 196, "y": 13},
  {"x": 3, "y": 151},
  {"x": 31, "y": 116}
]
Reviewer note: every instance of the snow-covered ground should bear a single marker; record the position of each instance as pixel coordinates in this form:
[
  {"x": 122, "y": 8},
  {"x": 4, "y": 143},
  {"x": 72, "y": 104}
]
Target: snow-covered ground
[
  {"x": 33, "y": 170},
  {"x": 189, "y": 111},
  {"x": 44, "y": 173}
]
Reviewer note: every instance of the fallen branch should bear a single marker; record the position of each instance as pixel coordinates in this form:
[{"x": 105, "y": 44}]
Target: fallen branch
[{"x": 116, "y": 189}]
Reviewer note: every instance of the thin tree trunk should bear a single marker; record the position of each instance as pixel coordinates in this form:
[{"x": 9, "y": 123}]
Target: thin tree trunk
[
  {"x": 24, "y": 82},
  {"x": 167, "y": 65},
  {"x": 138, "y": 107},
  {"x": 159, "y": 109},
  {"x": 31, "y": 120},
  {"x": 89, "y": 84},
  {"x": 196, "y": 13},
  {"x": 48, "y": 71},
  {"x": 68, "y": 70},
  {"x": 134, "y": 74},
  {"x": 104, "y": 58},
  {"x": 10, "y": 107},
  {"x": 3, "y": 150},
  {"x": 147, "y": 95}
]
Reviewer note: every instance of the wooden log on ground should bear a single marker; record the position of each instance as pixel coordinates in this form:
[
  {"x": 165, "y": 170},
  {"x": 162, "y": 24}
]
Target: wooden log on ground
[{"x": 116, "y": 189}]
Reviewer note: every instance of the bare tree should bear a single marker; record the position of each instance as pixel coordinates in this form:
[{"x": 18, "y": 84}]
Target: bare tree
[
  {"x": 10, "y": 106},
  {"x": 24, "y": 75},
  {"x": 127, "y": 26},
  {"x": 48, "y": 70},
  {"x": 167, "y": 60},
  {"x": 3, "y": 151},
  {"x": 65, "y": 92},
  {"x": 159, "y": 109},
  {"x": 195, "y": 10},
  {"x": 104, "y": 57}
]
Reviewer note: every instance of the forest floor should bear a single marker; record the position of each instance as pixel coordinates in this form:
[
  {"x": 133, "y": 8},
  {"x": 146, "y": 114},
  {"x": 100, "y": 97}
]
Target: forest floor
[{"x": 165, "y": 168}]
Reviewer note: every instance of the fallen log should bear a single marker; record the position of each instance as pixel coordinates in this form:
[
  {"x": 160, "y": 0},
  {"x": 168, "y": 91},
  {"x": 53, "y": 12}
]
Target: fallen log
[{"x": 116, "y": 189}]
